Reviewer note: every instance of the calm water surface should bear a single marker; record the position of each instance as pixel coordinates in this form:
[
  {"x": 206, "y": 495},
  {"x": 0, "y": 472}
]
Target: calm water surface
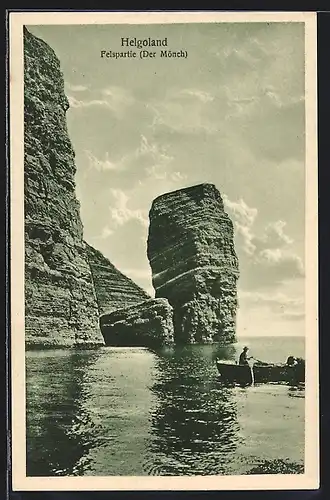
[{"x": 131, "y": 411}]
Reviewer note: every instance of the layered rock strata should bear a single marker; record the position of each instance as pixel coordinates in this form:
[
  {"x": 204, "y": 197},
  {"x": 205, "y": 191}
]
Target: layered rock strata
[
  {"x": 60, "y": 302},
  {"x": 68, "y": 284},
  {"x": 194, "y": 264},
  {"x": 147, "y": 324},
  {"x": 113, "y": 289}
]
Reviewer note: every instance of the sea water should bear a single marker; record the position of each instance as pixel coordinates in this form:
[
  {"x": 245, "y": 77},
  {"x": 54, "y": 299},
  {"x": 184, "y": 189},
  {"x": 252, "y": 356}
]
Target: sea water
[{"x": 132, "y": 411}]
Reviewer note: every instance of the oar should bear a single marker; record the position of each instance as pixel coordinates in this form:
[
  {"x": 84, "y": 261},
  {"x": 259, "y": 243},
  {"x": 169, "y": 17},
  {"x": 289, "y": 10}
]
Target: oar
[
  {"x": 258, "y": 360},
  {"x": 252, "y": 374}
]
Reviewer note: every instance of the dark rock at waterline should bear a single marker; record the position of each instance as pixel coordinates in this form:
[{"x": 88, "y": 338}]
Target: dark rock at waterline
[
  {"x": 194, "y": 263},
  {"x": 147, "y": 324}
]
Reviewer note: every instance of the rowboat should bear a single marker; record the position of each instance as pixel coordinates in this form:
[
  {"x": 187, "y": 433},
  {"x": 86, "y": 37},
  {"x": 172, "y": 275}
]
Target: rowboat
[{"x": 260, "y": 373}]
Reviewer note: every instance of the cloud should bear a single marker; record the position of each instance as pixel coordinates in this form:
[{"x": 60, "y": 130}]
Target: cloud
[
  {"x": 271, "y": 56},
  {"x": 289, "y": 308},
  {"x": 177, "y": 176},
  {"x": 237, "y": 106},
  {"x": 187, "y": 111},
  {"x": 234, "y": 58},
  {"x": 260, "y": 95},
  {"x": 201, "y": 95},
  {"x": 267, "y": 258},
  {"x": 76, "y": 103},
  {"x": 118, "y": 96},
  {"x": 154, "y": 150},
  {"x": 106, "y": 232},
  {"x": 243, "y": 214},
  {"x": 157, "y": 172},
  {"x": 272, "y": 267},
  {"x": 114, "y": 99},
  {"x": 76, "y": 88},
  {"x": 102, "y": 165},
  {"x": 148, "y": 156},
  {"x": 243, "y": 217},
  {"x": 121, "y": 213},
  {"x": 280, "y": 265},
  {"x": 245, "y": 238},
  {"x": 275, "y": 235},
  {"x": 270, "y": 298}
]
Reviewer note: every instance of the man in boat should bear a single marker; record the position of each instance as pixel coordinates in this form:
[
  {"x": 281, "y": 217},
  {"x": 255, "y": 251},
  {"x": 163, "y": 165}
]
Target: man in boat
[
  {"x": 244, "y": 359},
  {"x": 294, "y": 374},
  {"x": 291, "y": 361}
]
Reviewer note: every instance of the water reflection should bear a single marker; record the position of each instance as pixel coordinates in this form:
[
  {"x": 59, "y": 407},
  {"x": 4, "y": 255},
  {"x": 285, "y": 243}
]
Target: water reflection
[
  {"x": 195, "y": 428},
  {"x": 296, "y": 391},
  {"x": 59, "y": 426},
  {"x": 134, "y": 412}
]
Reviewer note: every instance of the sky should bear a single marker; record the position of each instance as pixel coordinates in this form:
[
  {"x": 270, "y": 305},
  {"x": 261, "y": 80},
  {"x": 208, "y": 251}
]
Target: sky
[{"x": 232, "y": 113}]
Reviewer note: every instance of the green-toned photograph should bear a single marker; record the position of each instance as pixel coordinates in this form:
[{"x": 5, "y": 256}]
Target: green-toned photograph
[{"x": 164, "y": 241}]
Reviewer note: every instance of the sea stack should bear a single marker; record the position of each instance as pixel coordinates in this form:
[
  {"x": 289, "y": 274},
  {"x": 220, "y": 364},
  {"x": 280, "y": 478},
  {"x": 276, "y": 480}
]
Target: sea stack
[{"x": 194, "y": 264}]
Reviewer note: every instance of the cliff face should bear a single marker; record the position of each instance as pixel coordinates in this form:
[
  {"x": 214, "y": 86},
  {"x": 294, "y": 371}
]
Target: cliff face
[
  {"x": 113, "y": 289},
  {"x": 194, "y": 264},
  {"x": 60, "y": 302},
  {"x": 147, "y": 324}
]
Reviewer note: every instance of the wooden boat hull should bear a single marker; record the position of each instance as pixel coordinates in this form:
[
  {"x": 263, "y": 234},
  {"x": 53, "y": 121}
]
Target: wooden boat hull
[{"x": 241, "y": 374}]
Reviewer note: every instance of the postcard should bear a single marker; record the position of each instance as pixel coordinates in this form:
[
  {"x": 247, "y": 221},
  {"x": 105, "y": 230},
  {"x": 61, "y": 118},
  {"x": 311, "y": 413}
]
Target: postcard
[{"x": 164, "y": 319}]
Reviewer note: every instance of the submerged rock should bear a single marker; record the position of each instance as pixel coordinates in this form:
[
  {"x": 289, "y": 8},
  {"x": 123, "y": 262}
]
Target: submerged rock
[
  {"x": 147, "y": 324},
  {"x": 194, "y": 264}
]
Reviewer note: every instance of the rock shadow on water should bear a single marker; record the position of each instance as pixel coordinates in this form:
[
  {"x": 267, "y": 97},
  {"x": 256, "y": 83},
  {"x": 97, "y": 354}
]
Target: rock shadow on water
[
  {"x": 195, "y": 427},
  {"x": 60, "y": 432}
]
